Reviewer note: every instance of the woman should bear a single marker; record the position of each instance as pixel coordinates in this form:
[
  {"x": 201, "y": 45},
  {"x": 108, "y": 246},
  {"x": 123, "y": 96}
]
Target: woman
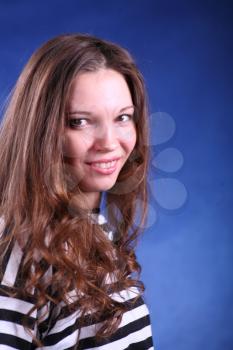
[{"x": 73, "y": 139}]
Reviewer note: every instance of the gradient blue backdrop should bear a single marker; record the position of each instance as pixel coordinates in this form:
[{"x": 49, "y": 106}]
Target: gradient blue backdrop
[{"x": 184, "y": 49}]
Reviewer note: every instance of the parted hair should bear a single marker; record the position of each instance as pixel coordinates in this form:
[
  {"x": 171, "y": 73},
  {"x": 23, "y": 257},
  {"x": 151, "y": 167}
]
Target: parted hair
[{"x": 39, "y": 199}]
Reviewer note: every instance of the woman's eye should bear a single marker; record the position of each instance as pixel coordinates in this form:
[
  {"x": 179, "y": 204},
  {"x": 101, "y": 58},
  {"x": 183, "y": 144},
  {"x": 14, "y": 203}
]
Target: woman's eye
[
  {"x": 77, "y": 122},
  {"x": 125, "y": 117}
]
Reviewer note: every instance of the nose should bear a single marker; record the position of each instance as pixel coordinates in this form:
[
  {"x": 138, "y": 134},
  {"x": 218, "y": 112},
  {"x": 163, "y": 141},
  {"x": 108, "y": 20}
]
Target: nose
[{"x": 105, "y": 138}]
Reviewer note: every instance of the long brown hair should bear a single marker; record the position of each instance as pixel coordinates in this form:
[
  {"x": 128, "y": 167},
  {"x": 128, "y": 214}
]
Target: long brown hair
[{"x": 37, "y": 200}]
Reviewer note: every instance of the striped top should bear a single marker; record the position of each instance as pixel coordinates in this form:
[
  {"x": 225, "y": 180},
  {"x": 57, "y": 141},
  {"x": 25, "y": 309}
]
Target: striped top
[{"x": 58, "y": 329}]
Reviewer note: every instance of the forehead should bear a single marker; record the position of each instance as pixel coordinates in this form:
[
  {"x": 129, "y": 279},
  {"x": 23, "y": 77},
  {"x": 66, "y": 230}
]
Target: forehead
[{"x": 104, "y": 88}]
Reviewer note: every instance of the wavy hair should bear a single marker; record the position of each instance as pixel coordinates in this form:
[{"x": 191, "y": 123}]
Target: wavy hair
[{"x": 38, "y": 197}]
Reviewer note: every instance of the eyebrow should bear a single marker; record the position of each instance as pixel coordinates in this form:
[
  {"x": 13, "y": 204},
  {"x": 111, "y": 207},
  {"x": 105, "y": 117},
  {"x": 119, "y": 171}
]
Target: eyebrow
[{"x": 89, "y": 113}]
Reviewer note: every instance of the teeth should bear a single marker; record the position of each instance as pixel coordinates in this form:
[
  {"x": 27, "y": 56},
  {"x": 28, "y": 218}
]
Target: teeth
[{"x": 105, "y": 165}]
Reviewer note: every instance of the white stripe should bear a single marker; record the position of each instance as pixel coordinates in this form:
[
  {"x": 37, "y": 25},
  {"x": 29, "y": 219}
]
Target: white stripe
[
  {"x": 88, "y": 331},
  {"x": 125, "y": 294},
  {"x": 47, "y": 275},
  {"x": 72, "y": 296},
  {"x": 2, "y": 225},
  {"x": 16, "y": 330},
  {"x": 122, "y": 343},
  {"x": 14, "y": 304},
  {"x": 6, "y": 347},
  {"x": 12, "y": 266},
  {"x": 65, "y": 322},
  {"x": 43, "y": 313},
  {"x": 133, "y": 315},
  {"x": 110, "y": 278}
]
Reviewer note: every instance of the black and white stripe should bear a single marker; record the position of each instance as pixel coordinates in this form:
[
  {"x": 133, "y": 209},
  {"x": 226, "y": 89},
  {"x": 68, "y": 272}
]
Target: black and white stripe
[{"x": 59, "y": 329}]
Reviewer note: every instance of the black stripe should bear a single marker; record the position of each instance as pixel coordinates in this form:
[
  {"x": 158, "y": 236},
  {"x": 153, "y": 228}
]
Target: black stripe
[
  {"x": 14, "y": 342},
  {"x": 90, "y": 341},
  {"x": 17, "y": 317},
  {"x": 121, "y": 333},
  {"x": 20, "y": 280},
  {"x": 132, "y": 327},
  {"x": 142, "y": 345},
  {"x": 8, "y": 291},
  {"x": 90, "y": 320}
]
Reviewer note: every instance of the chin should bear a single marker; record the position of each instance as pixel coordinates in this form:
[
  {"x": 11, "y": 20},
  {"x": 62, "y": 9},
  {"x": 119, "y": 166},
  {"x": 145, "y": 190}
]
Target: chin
[{"x": 99, "y": 186}]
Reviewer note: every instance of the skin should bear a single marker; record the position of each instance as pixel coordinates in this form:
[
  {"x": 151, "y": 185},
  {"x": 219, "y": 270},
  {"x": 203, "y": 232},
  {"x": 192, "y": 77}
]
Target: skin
[{"x": 100, "y": 128}]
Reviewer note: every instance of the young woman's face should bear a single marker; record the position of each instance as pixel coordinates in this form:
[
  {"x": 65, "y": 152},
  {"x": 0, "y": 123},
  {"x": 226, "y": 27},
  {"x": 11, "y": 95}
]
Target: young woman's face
[{"x": 100, "y": 134}]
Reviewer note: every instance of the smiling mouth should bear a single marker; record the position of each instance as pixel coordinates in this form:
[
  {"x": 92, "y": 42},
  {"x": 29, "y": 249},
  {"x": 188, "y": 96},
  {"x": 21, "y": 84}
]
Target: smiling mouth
[
  {"x": 105, "y": 165},
  {"x": 104, "y": 168}
]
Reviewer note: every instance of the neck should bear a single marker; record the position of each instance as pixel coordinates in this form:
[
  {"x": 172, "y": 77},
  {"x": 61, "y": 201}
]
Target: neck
[{"x": 90, "y": 200}]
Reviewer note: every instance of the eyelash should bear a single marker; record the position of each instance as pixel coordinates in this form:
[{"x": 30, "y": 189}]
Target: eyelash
[
  {"x": 127, "y": 115},
  {"x": 72, "y": 123}
]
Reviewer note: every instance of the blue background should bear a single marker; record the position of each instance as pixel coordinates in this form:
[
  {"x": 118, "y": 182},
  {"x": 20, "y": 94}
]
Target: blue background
[{"x": 184, "y": 49}]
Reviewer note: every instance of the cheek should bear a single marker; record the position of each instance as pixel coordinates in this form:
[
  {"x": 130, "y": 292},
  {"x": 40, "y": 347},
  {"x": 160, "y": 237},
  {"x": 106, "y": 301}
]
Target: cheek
[
  {"x": 130, "y": 140},
  {"x": 73, "y": 147}
]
